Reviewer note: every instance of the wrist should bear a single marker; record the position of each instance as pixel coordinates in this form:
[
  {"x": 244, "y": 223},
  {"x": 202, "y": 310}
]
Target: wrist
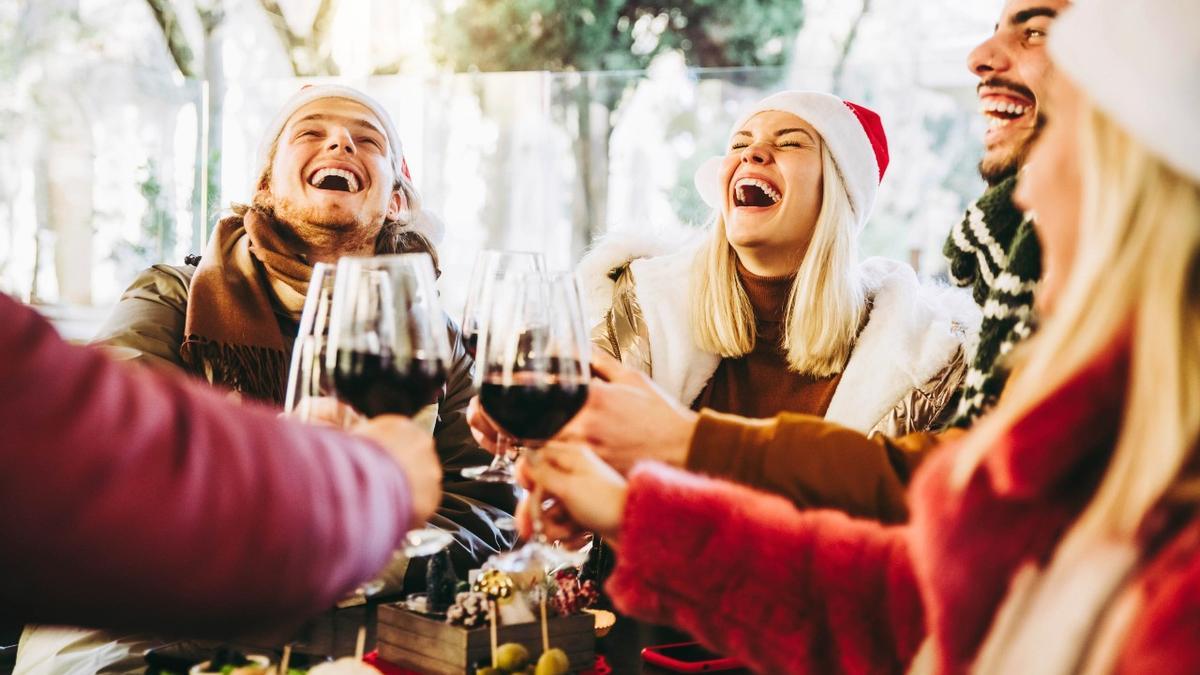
[{"x": 681, "y": 439}]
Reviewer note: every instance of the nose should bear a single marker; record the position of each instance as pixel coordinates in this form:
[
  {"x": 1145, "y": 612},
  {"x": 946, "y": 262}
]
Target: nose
[
  {"x": 988, "y": 57},
  {"x": 341, "y": 139},
  {"x": 756, "y": 153}
]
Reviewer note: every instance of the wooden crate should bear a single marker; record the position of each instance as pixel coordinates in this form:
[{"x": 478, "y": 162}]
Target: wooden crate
[{"x": 419, "y": 643}]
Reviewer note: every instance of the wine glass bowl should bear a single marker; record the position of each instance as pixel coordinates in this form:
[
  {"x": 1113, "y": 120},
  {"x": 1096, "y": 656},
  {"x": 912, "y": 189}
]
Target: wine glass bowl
[
  {"x": 388, "y": 347},
  {"x": 491, "y": 267},
  {"x": 533, "y": 368}
]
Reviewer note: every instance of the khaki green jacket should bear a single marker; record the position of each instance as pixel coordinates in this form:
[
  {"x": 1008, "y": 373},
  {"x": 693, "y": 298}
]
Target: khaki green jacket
[{"x": 148, "y": 324}]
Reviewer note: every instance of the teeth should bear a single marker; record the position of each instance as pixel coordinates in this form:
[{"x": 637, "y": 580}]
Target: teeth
[
  {"x": 1003, "y": 107},
  {"x": 325, "y": 173},
  {"x": 741, "y": 184}
]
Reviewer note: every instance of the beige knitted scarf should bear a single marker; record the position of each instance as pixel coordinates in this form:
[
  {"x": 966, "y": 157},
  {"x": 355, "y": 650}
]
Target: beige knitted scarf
[{"x": 232, "y": 336}]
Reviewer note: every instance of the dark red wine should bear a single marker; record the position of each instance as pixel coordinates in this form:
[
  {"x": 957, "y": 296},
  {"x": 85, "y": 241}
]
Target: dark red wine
[
  {"x": 375, "y": 384},
  {"x": 471, "y": 343},
  {"x": 533, "y": 412}
]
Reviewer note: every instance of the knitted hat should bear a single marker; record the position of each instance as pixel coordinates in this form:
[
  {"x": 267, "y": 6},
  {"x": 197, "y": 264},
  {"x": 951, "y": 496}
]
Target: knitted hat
[
  {"x": 424, "y": 222},
  {"x": 1140, "y": 63},
  {"x": 854, "y": 135}
]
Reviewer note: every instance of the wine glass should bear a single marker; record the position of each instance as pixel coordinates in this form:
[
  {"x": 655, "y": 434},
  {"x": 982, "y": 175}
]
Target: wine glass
[
  {"x": 310, "y": 384},
  {"x": 387, "y": 348},
  {"x": 533, "y": 375},
  {"x": 490, "y": 267}
]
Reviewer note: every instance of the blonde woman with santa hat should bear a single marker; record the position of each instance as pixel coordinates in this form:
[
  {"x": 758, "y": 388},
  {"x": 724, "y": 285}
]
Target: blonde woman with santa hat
[
  {"x": 772, "y": 311},
  {"x": 1063, "y": 534}
]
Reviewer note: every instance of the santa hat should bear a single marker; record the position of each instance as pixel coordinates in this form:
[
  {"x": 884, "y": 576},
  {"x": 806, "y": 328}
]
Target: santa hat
[
  {"x": 1140, "y": 63},
  {"x": 854, "y": 135},
  {"x": 424, "y": 222}
]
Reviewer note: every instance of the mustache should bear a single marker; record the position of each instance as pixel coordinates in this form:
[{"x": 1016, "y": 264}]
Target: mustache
[{"x": 1001, "y": 83}]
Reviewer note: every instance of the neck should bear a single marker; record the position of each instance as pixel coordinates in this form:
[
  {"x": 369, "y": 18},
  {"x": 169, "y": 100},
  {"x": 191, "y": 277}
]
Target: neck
[{"x": 770, "y": 261}]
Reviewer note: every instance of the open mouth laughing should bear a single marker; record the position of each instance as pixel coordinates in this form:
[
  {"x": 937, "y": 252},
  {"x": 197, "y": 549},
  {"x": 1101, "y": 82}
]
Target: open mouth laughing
[
  {"x": 752, "y": 191},
  {"x": 1007, "y": 107},
  {"x": 336, "y": 179}
]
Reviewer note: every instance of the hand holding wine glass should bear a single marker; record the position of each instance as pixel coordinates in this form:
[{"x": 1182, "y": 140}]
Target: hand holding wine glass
[
  {"x": 533, "y": 373},
  {"x": 589, "y": 492},
  {"x": 388, "y": 350},
  {"x": 414, "y": 450},
  {"x": 490, "y": 268}
]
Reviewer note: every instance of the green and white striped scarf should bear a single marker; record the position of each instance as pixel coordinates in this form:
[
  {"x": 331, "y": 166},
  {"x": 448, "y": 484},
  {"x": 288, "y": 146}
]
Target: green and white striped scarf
[{"x": 995, "y": 252}]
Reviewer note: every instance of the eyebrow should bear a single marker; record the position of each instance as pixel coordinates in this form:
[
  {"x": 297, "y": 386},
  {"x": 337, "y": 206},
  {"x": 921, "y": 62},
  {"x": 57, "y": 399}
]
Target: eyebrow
[
  {"x": 781, "y": 132},
  {"x": 318, "y": 117},
  {"x": 1025, "y": 15}
]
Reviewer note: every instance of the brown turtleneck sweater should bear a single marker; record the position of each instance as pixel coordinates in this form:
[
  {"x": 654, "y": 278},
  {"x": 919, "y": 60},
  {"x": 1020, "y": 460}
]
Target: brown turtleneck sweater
[
  {"x": 759, "y": 384},
  {"x": 796, "y": 453}
]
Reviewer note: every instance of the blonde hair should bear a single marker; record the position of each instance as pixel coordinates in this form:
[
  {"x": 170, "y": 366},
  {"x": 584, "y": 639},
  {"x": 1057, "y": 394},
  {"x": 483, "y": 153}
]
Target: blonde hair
[
  {"x": 1136, "y": 271},
  {"x": 825, "y": 306}
]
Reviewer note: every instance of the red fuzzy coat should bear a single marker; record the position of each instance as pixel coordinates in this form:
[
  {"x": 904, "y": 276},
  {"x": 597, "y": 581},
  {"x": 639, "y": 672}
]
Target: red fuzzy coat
[{"x": 818, "y": 592}]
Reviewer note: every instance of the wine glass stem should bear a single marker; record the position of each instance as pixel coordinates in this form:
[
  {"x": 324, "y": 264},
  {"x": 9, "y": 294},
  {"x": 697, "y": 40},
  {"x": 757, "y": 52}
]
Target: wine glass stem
[{"x": 539, "y": 528}]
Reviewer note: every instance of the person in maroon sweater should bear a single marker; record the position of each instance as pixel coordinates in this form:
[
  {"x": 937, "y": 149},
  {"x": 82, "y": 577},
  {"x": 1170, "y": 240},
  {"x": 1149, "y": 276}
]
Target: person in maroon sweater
[{"x": 129, "y": 499}]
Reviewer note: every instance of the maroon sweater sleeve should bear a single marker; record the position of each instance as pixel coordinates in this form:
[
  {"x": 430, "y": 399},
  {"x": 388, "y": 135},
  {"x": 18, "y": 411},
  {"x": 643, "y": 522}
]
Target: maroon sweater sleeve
[
  {"x": 128, "y": 499},
  {"x": 783, "y": 590}
]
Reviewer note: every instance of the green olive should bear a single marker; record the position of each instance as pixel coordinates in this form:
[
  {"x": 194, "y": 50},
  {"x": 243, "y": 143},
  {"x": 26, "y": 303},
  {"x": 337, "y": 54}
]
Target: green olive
[
  {"x": 553, "y": 662},
  {"x": 512, "y": 657}
]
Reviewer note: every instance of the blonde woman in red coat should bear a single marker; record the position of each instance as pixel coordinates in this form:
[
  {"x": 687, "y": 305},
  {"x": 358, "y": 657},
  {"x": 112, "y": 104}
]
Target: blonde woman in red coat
[{"x": 1063, "y": 534}]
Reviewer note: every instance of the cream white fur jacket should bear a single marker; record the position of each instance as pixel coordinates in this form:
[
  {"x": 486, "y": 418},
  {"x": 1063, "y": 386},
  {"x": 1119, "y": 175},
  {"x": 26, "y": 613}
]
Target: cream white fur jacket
[{"x": 909, "y": 355}]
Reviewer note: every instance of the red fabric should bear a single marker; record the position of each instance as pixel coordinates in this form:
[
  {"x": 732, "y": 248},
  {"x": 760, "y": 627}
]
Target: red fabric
[
  {"x": 873, "y": 127},
  {"x": 132, "y": 500},
  {"x": 817, "y": 592}
]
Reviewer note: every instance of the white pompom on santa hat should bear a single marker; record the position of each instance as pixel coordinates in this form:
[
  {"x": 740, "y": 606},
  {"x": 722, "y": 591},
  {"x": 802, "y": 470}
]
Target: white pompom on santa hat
[
  {"x": 853, "y": 133},
  {"x": 1139, "y": 62},
  {"x": 424, "y": 221}
]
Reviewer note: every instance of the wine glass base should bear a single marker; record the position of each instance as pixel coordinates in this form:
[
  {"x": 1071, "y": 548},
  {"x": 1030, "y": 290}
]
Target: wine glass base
[
  {"x": 537, "y": 556},
  {"x": 425, "y": 541},
  {"x": 489, "y": 474}
]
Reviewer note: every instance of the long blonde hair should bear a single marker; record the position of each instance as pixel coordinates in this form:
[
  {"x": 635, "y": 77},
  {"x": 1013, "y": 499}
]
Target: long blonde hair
[
  {"x": 826, "y": 303},
  {"x": 1137, "y": 268}
]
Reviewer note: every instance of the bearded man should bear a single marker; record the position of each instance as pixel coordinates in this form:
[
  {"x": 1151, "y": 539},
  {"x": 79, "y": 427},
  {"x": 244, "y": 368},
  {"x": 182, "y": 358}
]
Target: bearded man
[{"x": 333, "y": 181}]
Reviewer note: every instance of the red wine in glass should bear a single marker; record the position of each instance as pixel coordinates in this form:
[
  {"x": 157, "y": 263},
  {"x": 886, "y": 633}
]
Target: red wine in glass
[
  {"x": 377, "y": 384},
  {"x": 533, "y": 411}
]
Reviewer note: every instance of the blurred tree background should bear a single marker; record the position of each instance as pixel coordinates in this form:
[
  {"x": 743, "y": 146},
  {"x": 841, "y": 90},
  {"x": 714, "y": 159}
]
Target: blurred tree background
[
  {"x": 598, "y": 36},
  {"x": 127, "y": 125}
]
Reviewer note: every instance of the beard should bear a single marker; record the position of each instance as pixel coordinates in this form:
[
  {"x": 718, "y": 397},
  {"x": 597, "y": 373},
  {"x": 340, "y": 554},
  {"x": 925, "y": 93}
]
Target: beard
[
  {"x": 994, "y": 169},
  {"x": 312, "y": 230}
]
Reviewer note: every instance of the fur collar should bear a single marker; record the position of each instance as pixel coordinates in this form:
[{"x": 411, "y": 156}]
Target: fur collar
[{"x": 913, "y": 331}]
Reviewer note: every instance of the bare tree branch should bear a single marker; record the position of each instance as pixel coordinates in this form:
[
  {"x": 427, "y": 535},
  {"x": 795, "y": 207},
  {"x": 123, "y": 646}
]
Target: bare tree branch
[
  {"x": 848, "y": 45},
  {"x": 309, "y": 55},
  {"x": 322, "y": 24},
  {"x": 168, "y": 20}
]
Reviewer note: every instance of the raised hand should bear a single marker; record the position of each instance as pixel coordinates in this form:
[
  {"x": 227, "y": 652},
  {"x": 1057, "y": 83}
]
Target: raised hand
[
  {"x": 589, "y": 494},
  {"x": 629, "y": 418},
  {"x": 413, "y": 448}
]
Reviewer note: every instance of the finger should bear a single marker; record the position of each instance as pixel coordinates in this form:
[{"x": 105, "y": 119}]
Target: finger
[
  {"x": 564, "y": 531},
  {"x": 522, "y": 518},
  {"x": 478, "y": 419},
  {"x": 605, "y": 367},
  {"x": 522, "y": 470},
  {"x": 562, "y": 457}
]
